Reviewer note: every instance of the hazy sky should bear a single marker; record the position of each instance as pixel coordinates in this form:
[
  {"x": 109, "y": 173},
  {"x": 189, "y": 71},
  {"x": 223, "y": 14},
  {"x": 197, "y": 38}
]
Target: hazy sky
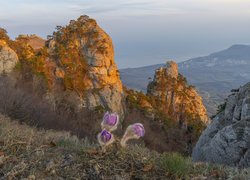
[{"x": 143, "y": 31}]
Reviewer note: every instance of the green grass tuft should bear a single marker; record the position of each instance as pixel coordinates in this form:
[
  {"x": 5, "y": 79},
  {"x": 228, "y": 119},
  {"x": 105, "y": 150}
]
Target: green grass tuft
[{"x": 175, "y": 164}]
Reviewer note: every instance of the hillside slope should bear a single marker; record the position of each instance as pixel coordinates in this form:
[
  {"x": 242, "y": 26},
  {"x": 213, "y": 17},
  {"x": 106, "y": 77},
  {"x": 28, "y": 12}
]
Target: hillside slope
[{"x": 27, "y": 152}]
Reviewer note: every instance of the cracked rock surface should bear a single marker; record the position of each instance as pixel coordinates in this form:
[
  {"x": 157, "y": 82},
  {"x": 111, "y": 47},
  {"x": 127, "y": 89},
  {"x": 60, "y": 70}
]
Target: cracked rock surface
[{"x": 227, "y": 139}]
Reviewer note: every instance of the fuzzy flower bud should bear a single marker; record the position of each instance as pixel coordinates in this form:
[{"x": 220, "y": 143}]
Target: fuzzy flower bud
[
  {"x": 110, "y": 121},
  {"x": 134, "y": 131},
  {"x": 105, "y": 138}
]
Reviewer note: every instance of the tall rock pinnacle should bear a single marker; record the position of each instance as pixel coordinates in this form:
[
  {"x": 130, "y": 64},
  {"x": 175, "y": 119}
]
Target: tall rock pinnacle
[{"x": 179, "y": 100}]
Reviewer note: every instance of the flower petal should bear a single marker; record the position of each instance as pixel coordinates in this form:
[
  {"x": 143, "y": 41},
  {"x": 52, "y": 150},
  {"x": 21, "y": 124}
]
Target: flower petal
[{"x": 139, "y": 129}]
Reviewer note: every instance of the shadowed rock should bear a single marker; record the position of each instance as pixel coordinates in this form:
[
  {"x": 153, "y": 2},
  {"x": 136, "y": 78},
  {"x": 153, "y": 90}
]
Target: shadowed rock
[{"x": 227, "y": 139}]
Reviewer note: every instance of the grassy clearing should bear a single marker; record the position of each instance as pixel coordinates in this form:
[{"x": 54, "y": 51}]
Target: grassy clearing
[{"x": 26, "y": 152}]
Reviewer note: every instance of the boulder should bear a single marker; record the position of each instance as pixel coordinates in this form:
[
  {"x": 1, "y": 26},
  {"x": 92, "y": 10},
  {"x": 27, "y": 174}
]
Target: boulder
[{"x": 227, "y": 139}]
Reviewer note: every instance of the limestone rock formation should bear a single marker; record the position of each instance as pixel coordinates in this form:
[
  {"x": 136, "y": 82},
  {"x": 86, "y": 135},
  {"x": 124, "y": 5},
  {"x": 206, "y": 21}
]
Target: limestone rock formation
[
  {"x": 102, "y": 82},
  {"x": 102, "y": 70},
  {"x": 8, "y": 58},
  {"x": 85, "y": 60},
  {"x": 179, "y": 100},
  {"x": 227, "y": 139}
]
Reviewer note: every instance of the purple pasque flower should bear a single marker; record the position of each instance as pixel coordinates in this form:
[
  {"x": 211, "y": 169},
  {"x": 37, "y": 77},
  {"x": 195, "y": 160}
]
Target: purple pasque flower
[
  {"x": 110, "y": 121},
  {"x": 139, "y": 129},
  {"x": 105, "y": 138},
  {"x": 134, "y": 131},
  {"x": 110, "y": 118}
]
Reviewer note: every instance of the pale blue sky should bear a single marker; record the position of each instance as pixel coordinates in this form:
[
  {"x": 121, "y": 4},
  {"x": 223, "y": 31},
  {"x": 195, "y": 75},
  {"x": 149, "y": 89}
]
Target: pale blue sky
[{"x": 143, "y": 31}]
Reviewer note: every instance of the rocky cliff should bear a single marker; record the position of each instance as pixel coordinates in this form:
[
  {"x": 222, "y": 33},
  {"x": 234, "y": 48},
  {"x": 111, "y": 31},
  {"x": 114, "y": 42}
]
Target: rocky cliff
[
  {"x": 84, "y": 57},
  {"x": 171, "y": 111},
  {"x": 227, "y": 139},
  {"x": 179, "y": 100},
  {"x": 77, "y": 60}
]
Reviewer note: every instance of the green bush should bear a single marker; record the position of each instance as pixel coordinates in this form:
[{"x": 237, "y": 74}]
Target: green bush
[
  {"x": 175, "y": 164},
  {"x": 221, "y": 108}
]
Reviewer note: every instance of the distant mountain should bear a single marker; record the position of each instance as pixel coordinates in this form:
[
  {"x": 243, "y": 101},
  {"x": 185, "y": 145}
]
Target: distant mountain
[{"x": 213, "y": 75}]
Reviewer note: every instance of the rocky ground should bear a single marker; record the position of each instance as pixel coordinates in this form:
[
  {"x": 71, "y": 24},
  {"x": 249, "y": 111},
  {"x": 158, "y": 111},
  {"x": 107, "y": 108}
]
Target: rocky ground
[{"x": 30, "y": 153}]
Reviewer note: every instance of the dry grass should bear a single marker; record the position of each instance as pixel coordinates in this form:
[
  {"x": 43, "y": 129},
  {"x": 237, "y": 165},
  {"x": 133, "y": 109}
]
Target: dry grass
[{"x": 27, "y": 152}]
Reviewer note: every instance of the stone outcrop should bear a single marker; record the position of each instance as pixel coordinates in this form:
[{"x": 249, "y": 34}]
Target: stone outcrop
[
  {"x": 100, "y": 77},
  {"x": 8, "y": 58},
  {"x": 179, "y": 100},
  {"x": 102, "y": 72},
  {"x": 227, "y": 139}
]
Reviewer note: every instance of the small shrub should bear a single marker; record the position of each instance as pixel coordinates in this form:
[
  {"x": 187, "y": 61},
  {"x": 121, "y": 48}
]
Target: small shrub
[
  {"x": 175, "y": 164},
  {"x": 221, "y": 108}
]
